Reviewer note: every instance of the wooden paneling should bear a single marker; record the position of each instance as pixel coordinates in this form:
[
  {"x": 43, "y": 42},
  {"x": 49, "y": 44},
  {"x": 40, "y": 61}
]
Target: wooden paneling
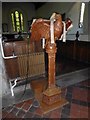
[
  {"x": 20, "y": 49},
  {"x": 82, "y": 51},
  {"x": 11, "y": 68},
  {"x": 31, "y": 65},
  {"x": 88, "y": 53},
  {"x": 76, "y": 50},
  {"x": 69, "y": 49}
]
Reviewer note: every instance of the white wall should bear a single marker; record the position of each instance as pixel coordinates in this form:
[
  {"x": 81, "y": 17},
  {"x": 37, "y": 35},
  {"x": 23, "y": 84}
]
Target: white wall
[
  {"x": 46, "y": 10},
  {"x": 72, "y": 11},
  {"x": 27, "y": 9},
  {"x": 86, "y": 19},
  {"x": 0, "y": 17},
  {"x": 4, "y": 86},
  {"x": 0, "y": 52},
  {"x": 74, "y": 15}
]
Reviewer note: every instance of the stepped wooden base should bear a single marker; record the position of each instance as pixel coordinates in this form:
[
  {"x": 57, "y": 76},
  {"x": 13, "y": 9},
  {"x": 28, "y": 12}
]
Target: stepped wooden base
[
  {"x": 51, "y": 95},
  {"x": 51, "y": 99},
  {"x": 47, "y": 108},
  {"x": 38, "y": 87}
]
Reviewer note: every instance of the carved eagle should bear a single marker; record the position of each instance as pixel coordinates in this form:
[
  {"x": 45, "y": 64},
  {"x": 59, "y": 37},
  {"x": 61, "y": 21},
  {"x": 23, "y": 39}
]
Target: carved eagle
[{"x": 40, "y": 28}]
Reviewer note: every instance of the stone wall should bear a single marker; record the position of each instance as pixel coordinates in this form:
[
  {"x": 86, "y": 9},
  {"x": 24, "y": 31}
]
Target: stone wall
[{"x": 4, "y": 86}]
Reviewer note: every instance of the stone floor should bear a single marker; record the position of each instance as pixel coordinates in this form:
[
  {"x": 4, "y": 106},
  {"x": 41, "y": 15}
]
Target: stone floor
[
  {"x": 76, "y": 94},
  {"x": 78, "y": 106}
]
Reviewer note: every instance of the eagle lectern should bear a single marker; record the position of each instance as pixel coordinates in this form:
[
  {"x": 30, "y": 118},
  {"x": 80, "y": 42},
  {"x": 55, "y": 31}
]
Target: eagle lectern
[{"x": 50, "y": 31}]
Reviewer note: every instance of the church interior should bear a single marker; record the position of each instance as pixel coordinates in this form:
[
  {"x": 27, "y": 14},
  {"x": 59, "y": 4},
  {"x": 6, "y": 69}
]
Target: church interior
[{"x": 44, "y": 60}]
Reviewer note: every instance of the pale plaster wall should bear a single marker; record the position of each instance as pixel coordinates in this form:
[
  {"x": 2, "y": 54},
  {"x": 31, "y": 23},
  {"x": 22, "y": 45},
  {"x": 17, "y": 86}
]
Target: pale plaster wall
[
  {"x": 46, "y": 10},
  {"x": 72, "y": 10}
]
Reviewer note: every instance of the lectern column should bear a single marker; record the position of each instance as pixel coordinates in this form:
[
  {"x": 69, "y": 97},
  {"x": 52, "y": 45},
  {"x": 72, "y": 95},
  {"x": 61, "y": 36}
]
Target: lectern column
[
  {"x": 51, "y": 50},
  {"x": 52, "y": 94}
]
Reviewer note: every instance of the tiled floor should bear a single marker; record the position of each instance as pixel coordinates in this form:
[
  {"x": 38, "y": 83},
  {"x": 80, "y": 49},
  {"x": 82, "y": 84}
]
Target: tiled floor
[
  {"x": 78, "y": 106},
  {"x": 77, "y": 95}
]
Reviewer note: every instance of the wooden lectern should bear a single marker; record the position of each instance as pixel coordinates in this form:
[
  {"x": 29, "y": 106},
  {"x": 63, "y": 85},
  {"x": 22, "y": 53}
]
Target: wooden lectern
[{"x": 51, "y": 97}]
